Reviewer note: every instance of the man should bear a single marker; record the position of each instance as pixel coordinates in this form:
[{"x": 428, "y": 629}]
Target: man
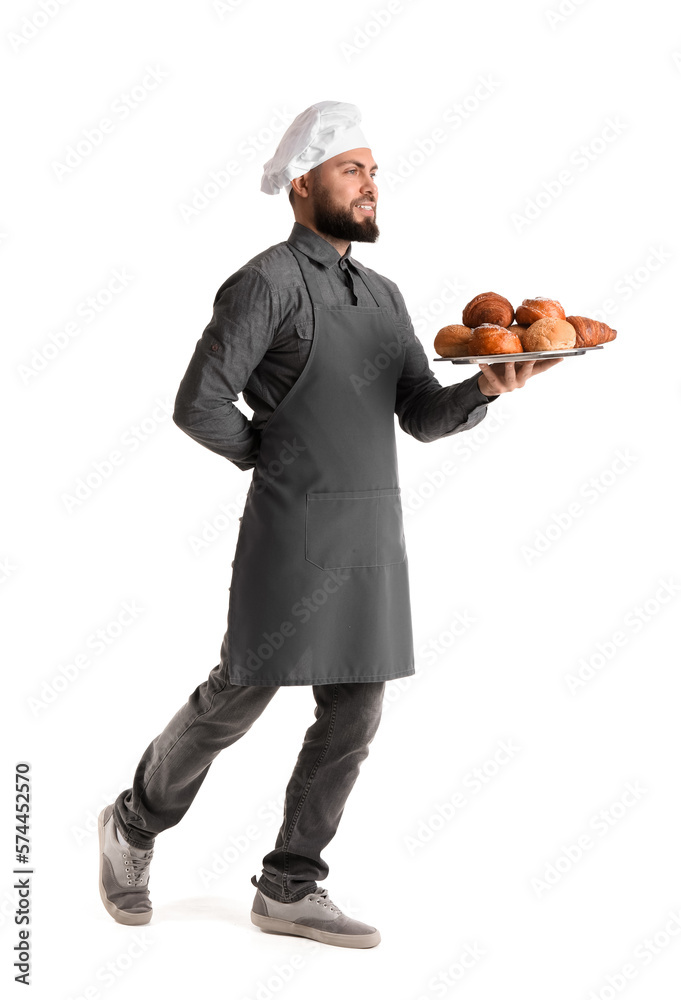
[{"x": 325, "y": 353}]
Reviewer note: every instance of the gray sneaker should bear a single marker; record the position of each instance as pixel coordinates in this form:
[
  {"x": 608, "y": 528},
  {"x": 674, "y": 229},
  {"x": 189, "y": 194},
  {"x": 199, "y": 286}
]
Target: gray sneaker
[
  {"x": 314, "y": 916},
  {"x": 123, "y": 875}
]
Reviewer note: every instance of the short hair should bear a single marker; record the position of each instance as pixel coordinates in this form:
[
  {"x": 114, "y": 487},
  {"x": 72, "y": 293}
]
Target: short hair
[{"x": 290, "y": 196}]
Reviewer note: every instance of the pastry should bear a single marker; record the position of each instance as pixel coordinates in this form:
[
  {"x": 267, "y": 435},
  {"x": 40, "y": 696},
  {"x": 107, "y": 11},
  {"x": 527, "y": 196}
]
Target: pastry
[
  {"x": 452, "y": 341},
  {"x": 549, "y": 334},
  {"x": 491, "y": 338},
  {"x": 488, "y": 307},
  {"x": 533, "y": 309},
  {"x": 590, "y": 332},
  {"x": 517, "y": 328}
]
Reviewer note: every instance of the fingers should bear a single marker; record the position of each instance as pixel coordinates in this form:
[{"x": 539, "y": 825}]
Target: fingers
[
  {"x": 491, "y": 374},
  {"x": 523, "y": 372},
  {"x": 543, "y": 366},
  {"x": 505, "y": 376}
]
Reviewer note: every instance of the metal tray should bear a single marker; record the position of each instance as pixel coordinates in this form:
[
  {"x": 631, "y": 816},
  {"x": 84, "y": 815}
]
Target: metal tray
[{"x": 522, "y": 356}]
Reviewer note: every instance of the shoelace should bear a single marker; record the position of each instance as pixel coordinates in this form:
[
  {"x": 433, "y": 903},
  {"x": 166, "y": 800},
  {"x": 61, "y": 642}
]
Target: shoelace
[
  {"x": 323, "y": 898},
  {"x": 139, "y": 866}
]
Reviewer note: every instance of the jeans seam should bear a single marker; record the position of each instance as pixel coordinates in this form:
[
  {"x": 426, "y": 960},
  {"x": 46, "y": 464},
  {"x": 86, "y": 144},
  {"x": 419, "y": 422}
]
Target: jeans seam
[{"x": 301, "y": 801}]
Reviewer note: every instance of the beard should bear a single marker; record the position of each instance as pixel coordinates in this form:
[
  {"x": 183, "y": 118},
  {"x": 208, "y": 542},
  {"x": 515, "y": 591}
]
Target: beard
[{"x": 340, "y": 222}]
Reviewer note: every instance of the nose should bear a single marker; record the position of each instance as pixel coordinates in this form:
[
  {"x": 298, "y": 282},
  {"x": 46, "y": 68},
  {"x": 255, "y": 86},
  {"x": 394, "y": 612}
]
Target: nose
[{"x": 370, "y": 187}]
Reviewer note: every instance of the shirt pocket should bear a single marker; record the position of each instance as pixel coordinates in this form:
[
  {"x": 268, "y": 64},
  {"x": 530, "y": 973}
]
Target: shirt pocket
[
  {"x": 354, "y": 529},
  {"x": 304, "y": 329},
  {"x": 304, "y": 332}
]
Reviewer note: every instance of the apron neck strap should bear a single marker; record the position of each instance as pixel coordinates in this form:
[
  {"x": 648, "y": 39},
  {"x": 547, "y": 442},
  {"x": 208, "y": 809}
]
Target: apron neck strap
[
  {"x": 313, "y": 285},
  {"x": 308, "y": 276},
  {"x": 379, "y": 298}
]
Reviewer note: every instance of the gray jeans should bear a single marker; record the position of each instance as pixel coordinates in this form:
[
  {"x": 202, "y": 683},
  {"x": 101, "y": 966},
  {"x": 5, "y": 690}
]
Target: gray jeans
[{"x": 216, "y": 715}]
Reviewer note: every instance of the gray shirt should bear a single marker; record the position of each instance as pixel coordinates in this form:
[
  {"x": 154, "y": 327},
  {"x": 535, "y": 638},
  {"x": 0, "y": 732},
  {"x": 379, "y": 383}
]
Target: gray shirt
[{"x": 259, "y": 339}]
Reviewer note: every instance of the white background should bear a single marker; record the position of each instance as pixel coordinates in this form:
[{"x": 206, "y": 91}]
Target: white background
[{"x": 546, "y": 463}]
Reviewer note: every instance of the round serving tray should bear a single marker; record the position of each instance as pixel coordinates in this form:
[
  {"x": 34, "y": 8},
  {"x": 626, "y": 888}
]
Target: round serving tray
[{"x": 523, "y": 356}]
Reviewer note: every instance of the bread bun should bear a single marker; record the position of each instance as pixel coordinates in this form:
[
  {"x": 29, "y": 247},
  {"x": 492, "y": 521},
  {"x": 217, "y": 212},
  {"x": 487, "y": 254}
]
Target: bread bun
[
  {"x": 590, "y": 332},
  {"x": 533, "y": 309},
  {"x": 491, "y": 338},
  {"x": 517, "y": 328},
  {"x": 549, "y": 334},
  {"x": 488, "y": 307},
  {"x": 452, "y": 341}
]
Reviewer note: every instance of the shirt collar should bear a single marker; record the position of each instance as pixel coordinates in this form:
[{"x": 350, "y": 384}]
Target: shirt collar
[{"x": 319, "y": 249}]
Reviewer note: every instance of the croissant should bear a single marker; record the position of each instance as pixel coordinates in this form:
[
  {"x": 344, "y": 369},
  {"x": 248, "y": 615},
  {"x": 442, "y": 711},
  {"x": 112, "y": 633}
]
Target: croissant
[
  {"x": 488, "y": 307},
  {"x": 590, "y": 332}
]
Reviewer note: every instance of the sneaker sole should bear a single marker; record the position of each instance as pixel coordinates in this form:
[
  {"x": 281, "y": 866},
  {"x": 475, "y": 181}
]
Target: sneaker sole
[
  {"x": 274, "y": 925},
  {"x": 120, "y": 916}
]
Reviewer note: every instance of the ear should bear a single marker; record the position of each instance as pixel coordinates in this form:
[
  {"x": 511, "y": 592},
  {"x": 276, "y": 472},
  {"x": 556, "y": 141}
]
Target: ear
[{"x": 301, "y": 185}]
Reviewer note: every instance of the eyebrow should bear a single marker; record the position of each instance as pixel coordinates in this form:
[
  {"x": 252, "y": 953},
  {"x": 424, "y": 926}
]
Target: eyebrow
[{"x": 357, "y": 164}]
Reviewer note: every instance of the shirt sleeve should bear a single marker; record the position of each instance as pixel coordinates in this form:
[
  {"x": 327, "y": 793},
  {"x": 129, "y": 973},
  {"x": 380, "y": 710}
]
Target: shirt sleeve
[
  {"x": 426, "y": 409},
  {"x": 245, "y": 317}
]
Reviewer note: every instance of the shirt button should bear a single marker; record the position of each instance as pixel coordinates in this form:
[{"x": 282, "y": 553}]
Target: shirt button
[{"x": 215, "y": 347}]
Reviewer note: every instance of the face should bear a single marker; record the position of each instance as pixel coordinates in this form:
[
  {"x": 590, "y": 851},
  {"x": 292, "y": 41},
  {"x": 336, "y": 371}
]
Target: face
[{"x": 339, "y": 187}]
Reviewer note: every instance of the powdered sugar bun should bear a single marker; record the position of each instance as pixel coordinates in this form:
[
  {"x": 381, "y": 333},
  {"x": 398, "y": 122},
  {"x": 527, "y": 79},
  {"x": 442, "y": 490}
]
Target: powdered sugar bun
[{"x": 537, "y": 308}]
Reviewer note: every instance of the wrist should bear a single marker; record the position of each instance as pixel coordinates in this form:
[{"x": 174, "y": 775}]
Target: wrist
[{"x": 481, "y": 383}]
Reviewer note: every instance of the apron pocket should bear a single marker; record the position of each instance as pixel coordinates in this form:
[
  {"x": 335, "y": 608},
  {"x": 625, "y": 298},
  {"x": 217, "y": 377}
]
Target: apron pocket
[{"x": 354, "y": 529}]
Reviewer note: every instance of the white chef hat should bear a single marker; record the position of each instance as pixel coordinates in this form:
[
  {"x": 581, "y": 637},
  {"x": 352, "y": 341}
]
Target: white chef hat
[{"x": 318, "y": 133}]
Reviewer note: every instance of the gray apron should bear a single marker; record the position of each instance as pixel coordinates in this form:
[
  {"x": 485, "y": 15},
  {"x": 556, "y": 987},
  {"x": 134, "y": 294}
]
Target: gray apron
[{"x": 320, "y": 588}]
